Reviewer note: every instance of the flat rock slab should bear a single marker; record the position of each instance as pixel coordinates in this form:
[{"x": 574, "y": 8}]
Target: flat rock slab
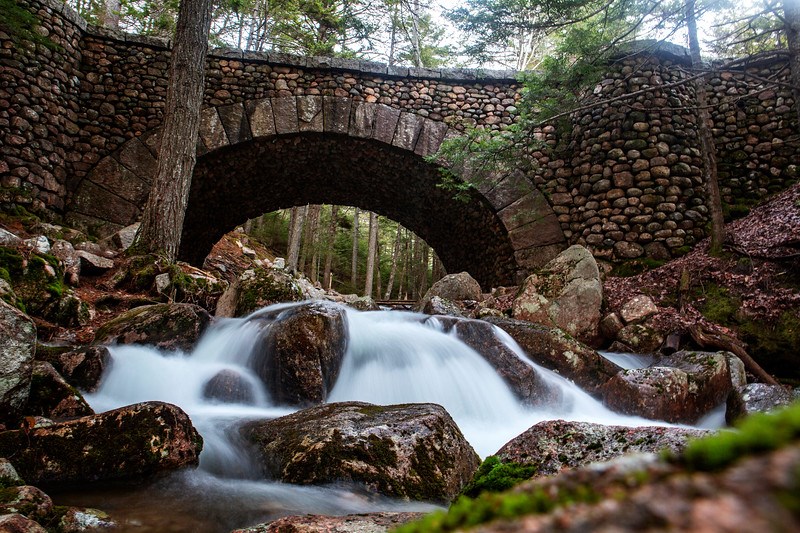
[{"x": 165, "y": 326}]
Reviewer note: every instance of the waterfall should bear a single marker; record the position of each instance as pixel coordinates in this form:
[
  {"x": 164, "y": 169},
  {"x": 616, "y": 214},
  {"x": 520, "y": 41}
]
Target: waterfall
[{"x": 392, "y": 357}]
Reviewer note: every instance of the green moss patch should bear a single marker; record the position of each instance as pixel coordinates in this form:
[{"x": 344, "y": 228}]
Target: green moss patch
[{"x": 496, "y": 476}]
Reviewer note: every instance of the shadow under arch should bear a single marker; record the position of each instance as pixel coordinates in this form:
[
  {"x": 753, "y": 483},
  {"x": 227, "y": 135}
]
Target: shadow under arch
[{"x": 241, "y": 181}]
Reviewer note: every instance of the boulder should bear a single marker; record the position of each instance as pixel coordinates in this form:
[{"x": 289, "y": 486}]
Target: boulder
[
  {"x": 52, "y": 397},
  {"x": 166, "y": 326},
  {"x": 682, "y": 388},
  {"x": 123, "y": 239},
  {"x": 130, "y": 443},
  {"x": 554, "y": 445},
  {"x": 8, "y": 474},
  {"x": 262, "y": 287},
  {"x": 412, "y": 451},
  {"x": 452, "y": 287},
  {"x": 66, "y": 253},
  {"x": 755, "y": 398},
  {"x": 557, "y": 351},
  {"x": 637, "y": 309},
  {"x": 641, "y": 338},
  {"x": 81, "y": 519},
  {"x": 439, "y": 306},
  {"x": 16, "y": 523},
  {"x": 361, "y": 303},
  {"x": 8, "y": 239},
  {"x": 301, "y": 351},
  {"x": 528, "y": 384},
  {"x": 229, "y": 386},
  {"x": 93, "y": 264},
  {"x": 39, "y": 244},
  {"x": 566, "y": 293},
  {"x": 17, "y": 348},
  {"x": 82, "y": 367},
  {"x": 25, "y": 500},
  {"x": 363, "y": 523}
]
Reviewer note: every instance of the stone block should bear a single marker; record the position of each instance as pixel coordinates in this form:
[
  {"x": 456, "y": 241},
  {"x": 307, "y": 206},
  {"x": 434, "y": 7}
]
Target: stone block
[
  {"x": 337, "y": 114},
  {"x": 211, "y": 131},
  {"x": 386, "y": 119},
  {"x": 234, "y": 120},
  {"x": 261, "y": 118},
  {"x": 509, "y": 189},
  {"x": 309, "y": 113},
  {"x": 525, "y": 210},
  {"x": 542, "y": 232},
  {"x": 112, "y": 176},
  {"x": 430, "y": 138},
  {"x": 362, "y": 123},
  {"x": 97, "y": 202},
  {"x": 285, "y": 112},
  {"x": 137, "y": 158}
]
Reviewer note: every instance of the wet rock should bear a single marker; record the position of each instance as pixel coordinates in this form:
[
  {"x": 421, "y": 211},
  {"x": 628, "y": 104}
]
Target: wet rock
[
  {"x": 528, "y": 384},
  {"x": 25, "y": 500},
  {"x": 301, "y": 351},
  {"x": 554, "y": 445},
  {"x": 755, "y": 398},
  {"x": 230, "y": 387},
  {"x": 16, "y": 523},
  {"x": 166, "y": 326},
  {"x": 452, "y": 287},
  {"x": 566, "y": 293},
  {"x": 637, "y": 309},
  {"x": 412, "y": 451},
  {"x": 17, "y": 348},
  {"x": 79, "y": 520},
  {"x": 52, "y": 397},
  {"x": 683, "y": 387},
  {"x": 361, "y": 303},
  {"x": 363, "y": 523},
  {"x": 263, "y": 287},
  {"x": 66, "y": 253},
  {"x": 130, "y": 443},
  {"x": 557, "y": 351},
  {"x": 82, "y": 367},
  {"x": 610, "y": 325},
  {"x": 439, "y": 306}
]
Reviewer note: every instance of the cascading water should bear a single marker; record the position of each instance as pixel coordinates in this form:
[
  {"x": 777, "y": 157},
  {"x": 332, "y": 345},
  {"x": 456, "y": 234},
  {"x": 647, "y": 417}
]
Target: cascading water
[{"x": 391, "y": 358}]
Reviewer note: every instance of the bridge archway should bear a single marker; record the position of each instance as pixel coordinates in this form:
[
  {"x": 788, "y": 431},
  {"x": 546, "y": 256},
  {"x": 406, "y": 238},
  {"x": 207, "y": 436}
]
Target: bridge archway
[{"x": 278, "y": 152}]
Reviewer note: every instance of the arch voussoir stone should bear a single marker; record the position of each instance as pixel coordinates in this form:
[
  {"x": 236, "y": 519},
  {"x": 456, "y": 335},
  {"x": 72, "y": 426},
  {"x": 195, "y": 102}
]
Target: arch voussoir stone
[
  {"x": 386, "y": 119},
  {"x": 431, "y": 137},
  {"x": 362, "y": 120},
  {"x": 408, "y": 129},
  {"x": 234, "y": 120},
  {"x": 337, "y": 114},
  {"x": 137, "y": 158},
  {"x": 310, "y": 115},
  {"x": 211, "y": 131},
  {"x": 261, "y": 117},
  {"x": 285, "y": 112}
]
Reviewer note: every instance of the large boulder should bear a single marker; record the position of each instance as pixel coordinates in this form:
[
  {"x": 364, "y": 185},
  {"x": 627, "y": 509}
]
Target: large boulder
[
  {"x": 554, "y": 445},
  {"x": 301, "y": 351},
  {"x": 412, "y": 451},
  {"x": 166, "y": 326},
  {"x": 681, "y": 388},
  {"x": 17, "y": 523},
  {"x": 755, "y": 398},
  {"x": 17, "y": 349},
  {"x": 130, "y": 443},
  {"x": 265, "y": 286},
  {"x": 229, "y": 386},
  {"x": 554, "y": 349},
  {"x": 26, "y": 500},
  {"x": 52, "y": 397},
  {"x": 354, "y": 523},
  {"x": 452, "y": 288},
  {"x": 528, "y": 384},
  {"x": 566, "y": 293}
]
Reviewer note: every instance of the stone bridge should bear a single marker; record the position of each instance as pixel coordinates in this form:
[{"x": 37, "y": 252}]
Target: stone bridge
[{"x": 80, "y": 127}]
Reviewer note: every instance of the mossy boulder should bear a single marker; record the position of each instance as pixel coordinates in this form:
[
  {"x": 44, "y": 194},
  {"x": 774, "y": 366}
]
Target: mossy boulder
[
  {"x": 52, "y": 397},
  {"x": 451, "y": 288},
  {"x": 681, "y": 388},
  {"x": 262, "y": 287},
  {"x": 166, "y": 326},
  {"x": 8, "y": 474},
  {"x": 566, "y": 293},
  {"x": 755, "y": 398},
  {"x": 556, "y": 350},
  {"x": 412, "y": 451},
  {"x": 300, "y": 351},
  {"x": 486, "y": 339},
  {"x": 17, "y": 349},
  {"x": 26, "y": 500},
  {"x": 81, "y": 367},
  {"x": 131, "y": 443}
]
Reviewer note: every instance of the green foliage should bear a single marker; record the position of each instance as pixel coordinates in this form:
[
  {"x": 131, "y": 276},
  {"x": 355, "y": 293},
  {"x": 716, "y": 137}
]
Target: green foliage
[
  {"x": 496, "y": 476},
  {"x": 22, "y": 25},
  {"x": 720, "y": 306},
  {"x": 636, "y": 266},
  {"x": 758, "y": 433}
]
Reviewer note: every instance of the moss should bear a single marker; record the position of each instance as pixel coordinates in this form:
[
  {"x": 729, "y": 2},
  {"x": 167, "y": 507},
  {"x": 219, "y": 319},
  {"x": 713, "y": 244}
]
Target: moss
[
  {"x": 758, "y": 433},
  {"x": 636, "y": 266},
  {"x": 719, "y": 305},
  {"x": 496, "y": 476}
]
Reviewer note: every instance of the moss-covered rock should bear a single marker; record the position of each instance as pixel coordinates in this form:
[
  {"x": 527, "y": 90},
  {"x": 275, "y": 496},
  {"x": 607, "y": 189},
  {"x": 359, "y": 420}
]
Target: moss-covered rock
[
  {"x": 52, "y": 397},
  {"x": 262, "y": 287},
  {"x": 166, "y": 326},
  {"x": 81, "y": 367},
  {"x": 25, "y": 500},
  {"x": 354, "y": 523},
  {"x": 755, "y": 398},
  {"x": 412, "y": 451},
  {"x": 130, "y": 443}
]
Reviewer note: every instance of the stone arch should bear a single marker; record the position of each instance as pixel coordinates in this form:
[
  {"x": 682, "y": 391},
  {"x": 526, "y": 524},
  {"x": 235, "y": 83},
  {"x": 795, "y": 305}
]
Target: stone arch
[{"x": 512, "y": 225}]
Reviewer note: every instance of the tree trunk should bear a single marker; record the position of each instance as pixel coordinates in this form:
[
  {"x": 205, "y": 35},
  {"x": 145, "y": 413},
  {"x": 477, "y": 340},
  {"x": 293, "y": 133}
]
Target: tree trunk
[
  {"x": 422, "y": 280},
  {"x": 708, "y": 151},
  {"x": 308, "y": 257},
  {"x": 162, "y": 220},
  {"x": 791, "y": 15},
  {"x": 110, "y": 15},
  {"x": 354, "y": 257},
  {"x": 295, "y": 234},
  {"x": 395, "y": 256},
  {"x": 372, "y": 252},
  {"x": 332, "y": 227}
]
